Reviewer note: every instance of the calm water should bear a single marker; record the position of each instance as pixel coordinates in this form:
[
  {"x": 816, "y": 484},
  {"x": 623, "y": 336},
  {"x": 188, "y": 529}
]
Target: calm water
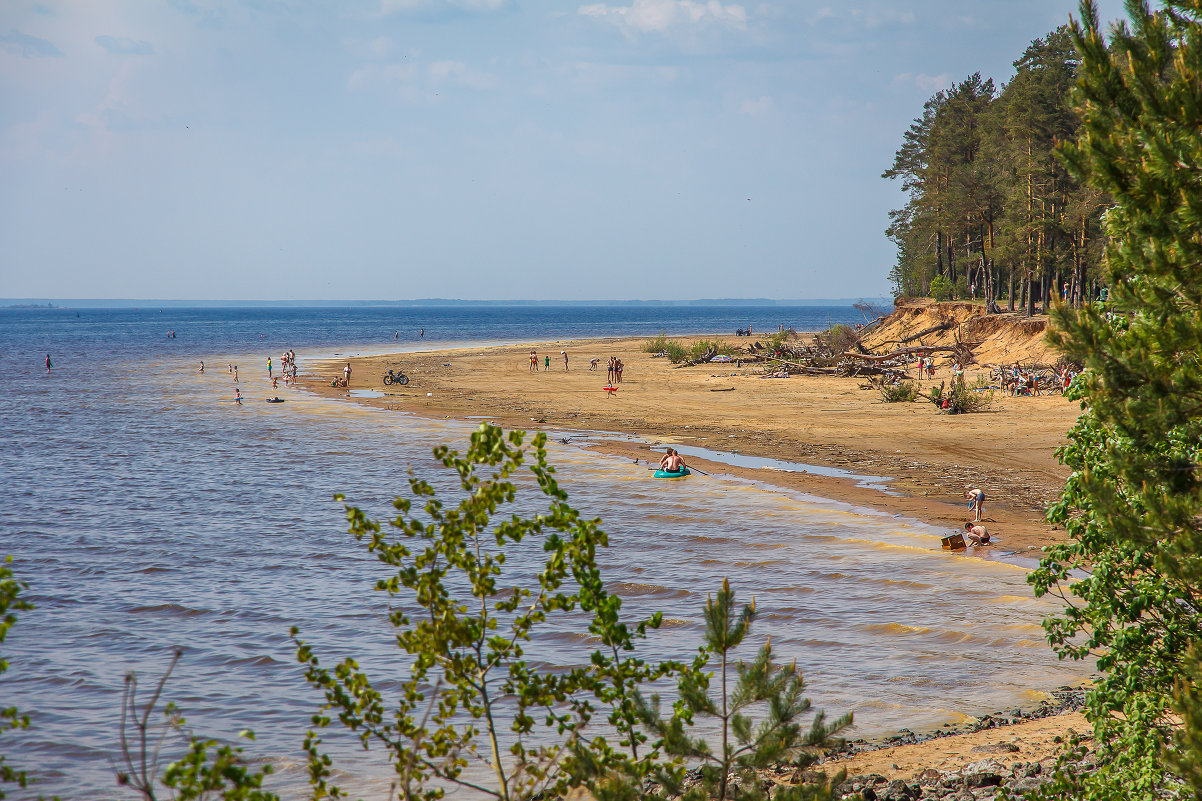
[{"x": 147, "y": 512}]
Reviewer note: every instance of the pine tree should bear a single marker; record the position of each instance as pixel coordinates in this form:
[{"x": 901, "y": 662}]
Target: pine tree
[
  {"x": 762, "y": 689},
  {"x": 1133, "y": 505}
]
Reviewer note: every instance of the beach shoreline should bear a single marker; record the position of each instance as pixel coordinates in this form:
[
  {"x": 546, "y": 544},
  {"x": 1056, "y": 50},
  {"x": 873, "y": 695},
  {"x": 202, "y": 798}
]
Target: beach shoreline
[
  {"x": 919, "y": 449},
  {"x": 807, "y": 426}
]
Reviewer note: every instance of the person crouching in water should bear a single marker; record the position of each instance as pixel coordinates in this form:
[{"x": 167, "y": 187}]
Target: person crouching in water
[
  {"x": 672, "y": 462},
  {"x": 976, "y": 533}
]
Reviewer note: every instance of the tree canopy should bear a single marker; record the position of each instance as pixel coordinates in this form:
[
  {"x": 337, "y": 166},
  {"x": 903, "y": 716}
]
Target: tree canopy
[{"x": 992, "y": 212}]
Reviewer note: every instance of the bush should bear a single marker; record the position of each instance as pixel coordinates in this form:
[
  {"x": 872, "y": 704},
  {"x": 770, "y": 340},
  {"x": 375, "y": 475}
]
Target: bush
[
  {"x": 961, "y": 398},
  {"x": 941, "y": 288},
  {"x": 901, "y": 392},
  {"x": 657, "y": 344},
  {"x": 839, "y": 338}
]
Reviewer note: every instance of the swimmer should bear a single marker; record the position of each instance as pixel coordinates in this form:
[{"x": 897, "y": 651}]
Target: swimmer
[
  {"x": 976, "y": 533},
  {"x": 237, "y": 396},
  {"x": 202, "y": 367}
]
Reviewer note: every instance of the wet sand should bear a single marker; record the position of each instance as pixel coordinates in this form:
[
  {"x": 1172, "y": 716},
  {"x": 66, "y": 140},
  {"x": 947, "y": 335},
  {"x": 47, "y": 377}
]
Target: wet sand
[{"x": 830, "y": 422}]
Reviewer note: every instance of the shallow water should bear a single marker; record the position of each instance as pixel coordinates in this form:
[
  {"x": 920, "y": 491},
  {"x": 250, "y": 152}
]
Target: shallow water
[{"x": 147, "y": 512}]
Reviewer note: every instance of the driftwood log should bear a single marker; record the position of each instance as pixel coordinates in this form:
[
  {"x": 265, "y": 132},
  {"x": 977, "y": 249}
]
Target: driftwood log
[{"x": 924, "y": 349}]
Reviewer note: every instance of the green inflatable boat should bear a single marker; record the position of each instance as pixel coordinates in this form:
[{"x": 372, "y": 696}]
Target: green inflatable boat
[{"x": 672, "y": 473}]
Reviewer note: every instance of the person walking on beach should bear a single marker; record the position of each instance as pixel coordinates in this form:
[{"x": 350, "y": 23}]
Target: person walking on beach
[
  {"x": 48, "y": 364},
  {"x": 976, "y": 498},
  {"x": 565, "y": 360},
  {"x": 547, "y": 362},
  {"x": 346, "y": 375},
  {"x": 534, "y": 361},
  {"x": 977, "y": 533}
]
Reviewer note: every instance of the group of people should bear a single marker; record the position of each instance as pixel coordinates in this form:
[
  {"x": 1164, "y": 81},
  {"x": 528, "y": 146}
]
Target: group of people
[
  {"x": 615, "y": 370},
  {"x": 546, "y": 361},
  {"x": 974, "y": 530}
]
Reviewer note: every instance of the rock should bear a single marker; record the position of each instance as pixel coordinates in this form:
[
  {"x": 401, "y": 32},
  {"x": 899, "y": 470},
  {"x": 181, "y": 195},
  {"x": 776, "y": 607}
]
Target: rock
[
  {"x": 930, "y": 776},
  {"x": 1032, "y": 769},
  {"x": 897, "y": 790},
  {"x": 1028, "y": 784},
  {"x": 982, "y": 779},
  {"x": 996, "y": 748}
]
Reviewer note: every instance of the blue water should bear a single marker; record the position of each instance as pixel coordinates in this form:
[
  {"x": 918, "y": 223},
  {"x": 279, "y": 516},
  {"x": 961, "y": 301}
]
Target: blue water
[{"x": 147, "y": 513}]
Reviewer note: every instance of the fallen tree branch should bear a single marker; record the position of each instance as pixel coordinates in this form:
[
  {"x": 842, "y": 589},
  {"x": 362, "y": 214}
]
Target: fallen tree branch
[{"x": 903, "y": 352}]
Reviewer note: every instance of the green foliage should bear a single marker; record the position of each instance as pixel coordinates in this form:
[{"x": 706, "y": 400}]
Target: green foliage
[
  {"x": 703, "y": 346},
  {"x": 657, "y": 344},
  {"x": 463, "y": 614},
  {"x": 1132, "y": 505},
  {"x": 762, "y": 690},
  {"x": 989, "y": 203},
  {"x": 961, "y": 398},
  {"x": 901, "y": 392},
  {"x": 839, "y": 338},
  {"x": 941, "y": 288},
  {"x": 1186, "y": 756},
  {"x": 678, "y": 352},
  {"x": 10, "y": 717},
  {"x": 197, "y": 775}
]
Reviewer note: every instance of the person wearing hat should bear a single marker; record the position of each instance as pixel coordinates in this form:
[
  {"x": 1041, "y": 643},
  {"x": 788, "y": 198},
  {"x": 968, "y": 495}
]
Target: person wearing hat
[{"x": 564, "y": 353}]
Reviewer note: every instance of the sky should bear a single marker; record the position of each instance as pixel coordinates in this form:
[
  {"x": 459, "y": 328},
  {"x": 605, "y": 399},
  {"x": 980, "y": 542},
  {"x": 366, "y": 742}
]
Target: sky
[{"x": 476, "y": 149}]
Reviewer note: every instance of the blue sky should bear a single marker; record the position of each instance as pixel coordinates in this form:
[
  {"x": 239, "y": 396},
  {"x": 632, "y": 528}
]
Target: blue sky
[{"x": 484, "y": 149}]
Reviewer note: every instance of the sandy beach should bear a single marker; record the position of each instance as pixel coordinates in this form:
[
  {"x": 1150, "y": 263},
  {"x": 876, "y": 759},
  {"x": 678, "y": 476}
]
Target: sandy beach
[{"x": 829, "y": 422}]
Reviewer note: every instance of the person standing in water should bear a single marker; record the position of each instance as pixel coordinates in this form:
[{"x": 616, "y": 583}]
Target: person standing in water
[
  {"x": 237, "y": 396},
  {"x": 269, "y": 367},
  {"x": 48, "y": 364},
  {"x": 202, "y": 367},
  {"x": 235, "y": 374}
]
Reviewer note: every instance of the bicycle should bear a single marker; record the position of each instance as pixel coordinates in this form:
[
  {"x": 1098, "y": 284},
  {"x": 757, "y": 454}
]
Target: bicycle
[{"x": 395, "y": 377}]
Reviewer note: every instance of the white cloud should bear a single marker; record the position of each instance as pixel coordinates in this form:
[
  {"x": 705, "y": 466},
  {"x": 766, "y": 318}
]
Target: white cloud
[
  {"x": 124, "y": 46},
  {"x": 381, "y": 75},
  {"x": 933, "y": 83},
  {"x": 761, "y": 106},
  {"x": 659, "y": 16},
  {"x": 928, "y": 83},
  {"x": 459, "y": 74}
]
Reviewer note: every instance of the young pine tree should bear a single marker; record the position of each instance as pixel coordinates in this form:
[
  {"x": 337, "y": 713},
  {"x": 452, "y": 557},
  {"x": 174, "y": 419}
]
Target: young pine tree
[{"x": 745, "y": 692}]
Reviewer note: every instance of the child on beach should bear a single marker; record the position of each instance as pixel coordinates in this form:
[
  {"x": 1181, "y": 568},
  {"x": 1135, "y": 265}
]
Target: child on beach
[
  {"x": 976, "y": 498},
  {"x": 977, "y": 533}
]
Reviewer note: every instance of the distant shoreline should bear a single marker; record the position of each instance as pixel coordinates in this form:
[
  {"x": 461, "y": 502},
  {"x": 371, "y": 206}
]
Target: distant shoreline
[{"x": 134, "y": 303}]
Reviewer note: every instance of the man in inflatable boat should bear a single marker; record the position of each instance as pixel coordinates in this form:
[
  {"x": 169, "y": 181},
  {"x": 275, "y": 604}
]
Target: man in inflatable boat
[{"x": 672, "y": 462}]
